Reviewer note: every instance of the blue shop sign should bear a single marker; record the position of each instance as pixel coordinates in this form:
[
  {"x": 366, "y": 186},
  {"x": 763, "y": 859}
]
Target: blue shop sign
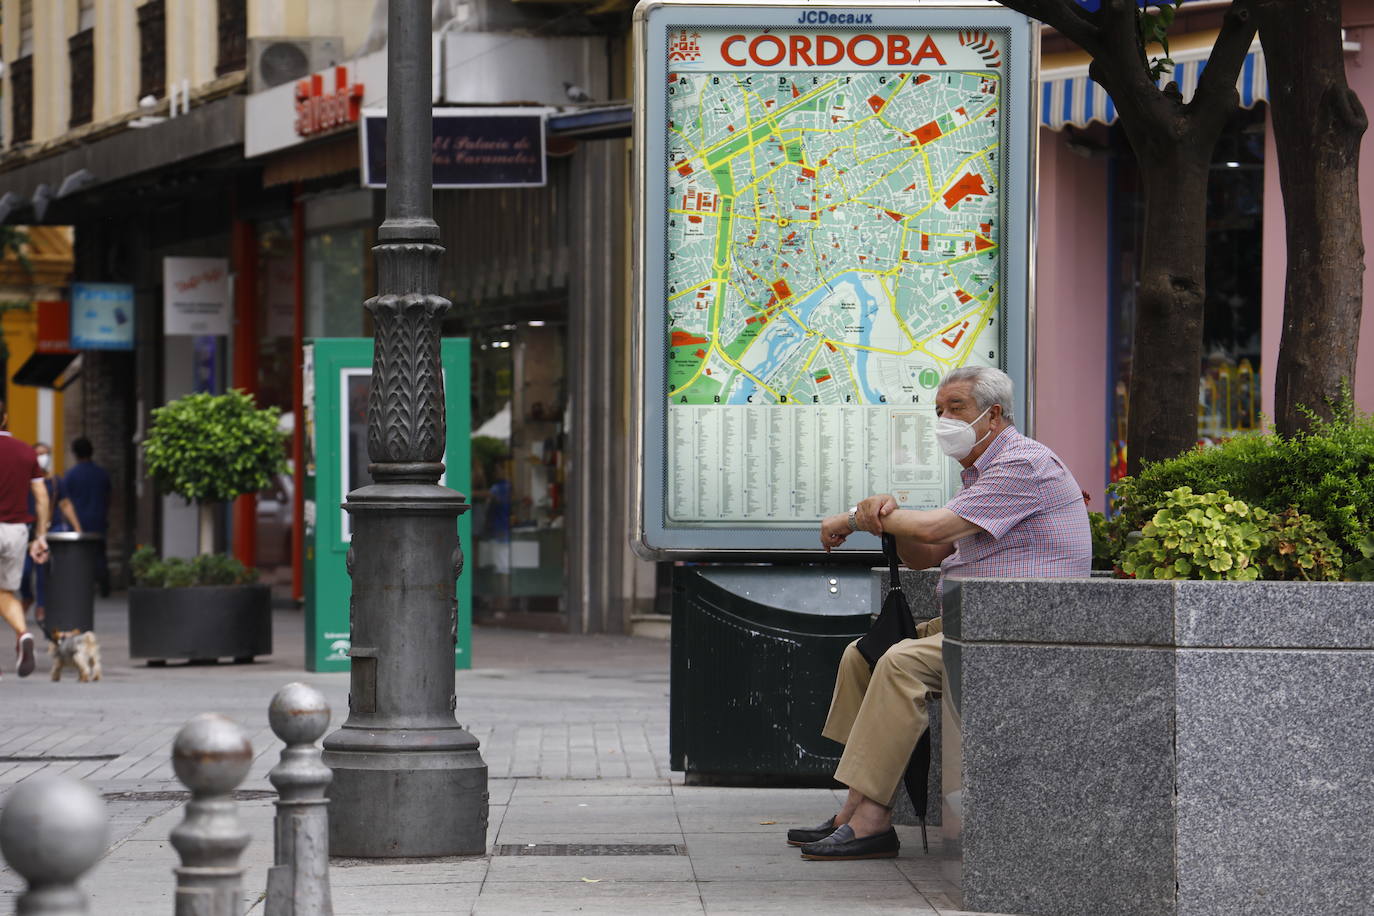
[
  {"x": 102, "y": 316},
  {"x": 473, "y": 148}
]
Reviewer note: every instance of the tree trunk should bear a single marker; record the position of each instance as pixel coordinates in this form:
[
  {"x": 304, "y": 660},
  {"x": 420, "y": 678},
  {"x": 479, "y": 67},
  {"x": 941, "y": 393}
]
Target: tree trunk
[
  {"x": 1318, "y": 122},
  {"x": 206, "y": 541},
  {"x": 1166, "y": 356}
]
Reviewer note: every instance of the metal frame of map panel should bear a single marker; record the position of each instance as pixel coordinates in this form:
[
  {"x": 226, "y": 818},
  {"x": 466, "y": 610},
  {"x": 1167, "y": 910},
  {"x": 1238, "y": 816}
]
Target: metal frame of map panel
[{"x": 657, "y": 537}]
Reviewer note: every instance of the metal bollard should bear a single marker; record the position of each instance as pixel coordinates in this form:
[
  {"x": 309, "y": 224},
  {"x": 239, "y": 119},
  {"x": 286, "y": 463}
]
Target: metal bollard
[
  {"x": 211, "y": 757},
  {"x": 298, "y": 881},
  {"x": 52, "y": 831}
]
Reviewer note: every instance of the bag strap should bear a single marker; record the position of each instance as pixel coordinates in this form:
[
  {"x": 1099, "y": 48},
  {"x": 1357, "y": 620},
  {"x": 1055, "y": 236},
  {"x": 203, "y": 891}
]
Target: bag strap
[{"x": 893, "y": 561}]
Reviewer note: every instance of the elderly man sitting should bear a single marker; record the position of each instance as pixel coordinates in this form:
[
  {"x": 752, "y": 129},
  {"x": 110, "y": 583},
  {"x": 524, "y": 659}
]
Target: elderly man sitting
[{"x": 1020, "y": 513}]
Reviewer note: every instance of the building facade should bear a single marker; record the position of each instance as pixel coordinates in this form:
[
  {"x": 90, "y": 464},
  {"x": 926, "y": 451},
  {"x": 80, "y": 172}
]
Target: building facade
[{"x": 228, "y": 130}]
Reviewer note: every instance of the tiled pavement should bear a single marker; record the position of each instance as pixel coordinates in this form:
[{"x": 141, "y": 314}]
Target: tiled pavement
[{"x": 574, "y": 731}]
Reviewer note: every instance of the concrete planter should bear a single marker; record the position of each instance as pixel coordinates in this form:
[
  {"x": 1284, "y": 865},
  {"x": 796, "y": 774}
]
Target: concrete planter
[
  {"x": 1164, "y": 747},
  {"x": 202, "y": 623}
]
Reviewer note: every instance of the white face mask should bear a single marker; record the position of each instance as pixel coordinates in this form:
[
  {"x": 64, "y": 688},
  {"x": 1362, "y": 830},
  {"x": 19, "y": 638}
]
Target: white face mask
[
  {"x": 956, "y": 437},
  {"x": 44, "y": 461}
]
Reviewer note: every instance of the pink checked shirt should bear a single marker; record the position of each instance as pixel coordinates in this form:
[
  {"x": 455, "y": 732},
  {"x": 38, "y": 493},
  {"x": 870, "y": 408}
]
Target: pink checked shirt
[{"x": 1030, "y": 509}]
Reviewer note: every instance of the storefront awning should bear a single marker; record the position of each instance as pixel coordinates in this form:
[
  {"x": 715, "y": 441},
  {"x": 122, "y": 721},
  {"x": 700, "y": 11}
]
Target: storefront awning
[
  {"x": 1069, "y": 96},
  {"x": 49, "y": 370}
]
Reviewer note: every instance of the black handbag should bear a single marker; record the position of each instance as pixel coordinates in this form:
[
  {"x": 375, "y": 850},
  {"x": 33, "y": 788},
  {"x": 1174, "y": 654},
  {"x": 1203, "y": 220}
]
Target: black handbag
[{"x": 894, "y": 622}]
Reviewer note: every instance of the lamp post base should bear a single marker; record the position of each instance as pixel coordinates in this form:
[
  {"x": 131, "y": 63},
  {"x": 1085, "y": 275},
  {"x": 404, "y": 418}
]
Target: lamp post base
[{"x": 428, "y": 798}]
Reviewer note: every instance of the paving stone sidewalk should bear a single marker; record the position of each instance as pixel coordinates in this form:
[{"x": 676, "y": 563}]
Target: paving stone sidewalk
[{"x": 574, "y": 731}]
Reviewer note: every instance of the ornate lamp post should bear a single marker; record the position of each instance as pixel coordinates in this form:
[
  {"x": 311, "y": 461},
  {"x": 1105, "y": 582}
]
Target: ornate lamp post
[{"x": 408, "y": 779}]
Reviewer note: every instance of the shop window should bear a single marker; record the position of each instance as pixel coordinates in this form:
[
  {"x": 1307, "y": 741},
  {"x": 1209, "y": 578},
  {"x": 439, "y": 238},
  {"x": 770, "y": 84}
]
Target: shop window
[
  {"x": 519, "y": 396},
  {"x": 1229, "y": 391},
  {"x": 335, "y": 260}
]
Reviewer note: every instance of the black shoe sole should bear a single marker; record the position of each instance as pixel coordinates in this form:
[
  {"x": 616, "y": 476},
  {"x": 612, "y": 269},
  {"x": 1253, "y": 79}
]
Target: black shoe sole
[{"x": 890, "y": 854}]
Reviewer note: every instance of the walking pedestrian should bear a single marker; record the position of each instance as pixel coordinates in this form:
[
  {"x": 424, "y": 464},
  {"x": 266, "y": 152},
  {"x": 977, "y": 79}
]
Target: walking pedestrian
[
  {"x": 88, "y": 487},
  {"x": 20, "y": 475}
]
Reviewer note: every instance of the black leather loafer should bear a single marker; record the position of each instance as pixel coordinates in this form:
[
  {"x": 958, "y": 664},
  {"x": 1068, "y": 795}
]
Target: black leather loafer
[
  {"x": 800, "y": 836},
  {"x": 842, "y": 845}
]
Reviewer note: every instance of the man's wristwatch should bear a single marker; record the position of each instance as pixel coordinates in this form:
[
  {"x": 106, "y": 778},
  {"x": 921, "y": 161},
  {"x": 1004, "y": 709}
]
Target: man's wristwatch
[{"x": 854, "y": 519}]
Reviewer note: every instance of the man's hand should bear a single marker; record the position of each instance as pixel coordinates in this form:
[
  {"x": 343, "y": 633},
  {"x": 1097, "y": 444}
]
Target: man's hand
[
  {"x": 834, "y": 530},
  {"x": 871, "y": 512},
  {"x": 38, "y": 549}
]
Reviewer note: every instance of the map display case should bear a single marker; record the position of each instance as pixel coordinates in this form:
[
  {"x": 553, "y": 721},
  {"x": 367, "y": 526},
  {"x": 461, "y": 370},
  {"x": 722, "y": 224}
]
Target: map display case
[{"x": 835, "y": 210}]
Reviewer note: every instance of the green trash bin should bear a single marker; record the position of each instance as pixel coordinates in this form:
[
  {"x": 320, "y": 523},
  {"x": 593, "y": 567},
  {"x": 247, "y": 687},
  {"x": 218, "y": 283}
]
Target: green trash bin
[{"x": 754, "y": 654}]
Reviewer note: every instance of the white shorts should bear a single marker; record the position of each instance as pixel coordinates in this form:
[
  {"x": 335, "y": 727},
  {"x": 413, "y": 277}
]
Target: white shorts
[{"x": 14, "y": 546}]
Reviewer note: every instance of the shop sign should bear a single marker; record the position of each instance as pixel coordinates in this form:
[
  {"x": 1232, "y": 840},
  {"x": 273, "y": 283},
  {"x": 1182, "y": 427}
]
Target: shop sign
[
  {"x": 473, "y": 148},
  {"x": 54, "y": 327},
  {"x": 196, "y": 296},
  {"x": 319, "y": 110},
  {"x": 102, "y": 316},
  {"x": 835, "y": 204}
]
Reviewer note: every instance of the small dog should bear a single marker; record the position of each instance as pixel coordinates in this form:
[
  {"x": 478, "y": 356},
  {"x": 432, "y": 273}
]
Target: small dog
[{"x": 73, "y": 647}]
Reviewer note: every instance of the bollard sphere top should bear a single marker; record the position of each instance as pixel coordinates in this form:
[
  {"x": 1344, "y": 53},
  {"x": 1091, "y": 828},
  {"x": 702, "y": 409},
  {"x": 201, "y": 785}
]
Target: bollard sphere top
[
  {"x": 53, "y": 829},
  {"x": 211, "y": 755},
  {"x": 298, "y": 714}
]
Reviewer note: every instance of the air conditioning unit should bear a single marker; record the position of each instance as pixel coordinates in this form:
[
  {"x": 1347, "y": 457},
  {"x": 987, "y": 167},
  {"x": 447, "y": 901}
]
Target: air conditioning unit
[{"x": 274, "y": 61}]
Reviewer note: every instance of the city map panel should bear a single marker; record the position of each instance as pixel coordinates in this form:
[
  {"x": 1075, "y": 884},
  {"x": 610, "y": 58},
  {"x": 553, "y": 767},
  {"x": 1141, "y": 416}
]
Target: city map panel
[{"x": 833, "y": 230}]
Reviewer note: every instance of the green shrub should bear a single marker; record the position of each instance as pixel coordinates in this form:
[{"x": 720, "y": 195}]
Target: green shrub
[
  {"x": 1104, "y": 550},
  {"x": 1326, "y": 473},
  {"x": 1296, "y": 547},
  {"x": 210, "y": 448},
  {"x": 1198, "y": 536},
  {"x": 151, "y": 571}
]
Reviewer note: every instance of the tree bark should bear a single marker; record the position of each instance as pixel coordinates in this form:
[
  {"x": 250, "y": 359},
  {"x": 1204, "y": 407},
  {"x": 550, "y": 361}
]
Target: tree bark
[
  {"x": 1318, "y": 124},
  {"x": 1166, "y": 349}
]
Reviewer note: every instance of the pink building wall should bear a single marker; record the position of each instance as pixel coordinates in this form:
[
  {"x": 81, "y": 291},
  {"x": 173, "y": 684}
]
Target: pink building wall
[
  {"x": 1359, "y": 72},
  {"x": 1071, "y": 311}
]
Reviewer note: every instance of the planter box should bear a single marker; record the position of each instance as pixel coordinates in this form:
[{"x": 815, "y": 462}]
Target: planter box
[
  {"x": 209, "y": 622},
  {"x": 1164, "y": 747}
]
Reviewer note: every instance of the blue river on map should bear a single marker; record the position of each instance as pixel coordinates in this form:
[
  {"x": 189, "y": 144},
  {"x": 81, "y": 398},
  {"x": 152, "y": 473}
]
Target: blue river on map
[{"x": 781, "y": 345}]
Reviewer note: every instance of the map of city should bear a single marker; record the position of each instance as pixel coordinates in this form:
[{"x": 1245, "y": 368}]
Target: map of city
[{"x": 832, "y": 236}]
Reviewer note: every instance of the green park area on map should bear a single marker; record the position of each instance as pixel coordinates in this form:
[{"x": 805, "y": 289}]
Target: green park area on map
[{"x": 833, "y": 237}]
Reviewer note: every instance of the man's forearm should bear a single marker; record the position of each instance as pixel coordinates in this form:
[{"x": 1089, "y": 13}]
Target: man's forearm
[{"x": 918, "y": 555}]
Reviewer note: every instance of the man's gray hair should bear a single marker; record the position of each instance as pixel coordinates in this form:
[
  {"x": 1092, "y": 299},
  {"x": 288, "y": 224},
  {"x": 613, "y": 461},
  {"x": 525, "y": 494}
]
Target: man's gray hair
[{"x": 990, "y": 386}]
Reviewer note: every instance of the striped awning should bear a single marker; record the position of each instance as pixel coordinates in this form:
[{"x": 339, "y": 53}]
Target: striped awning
[{"x": 1069, "y": 96}]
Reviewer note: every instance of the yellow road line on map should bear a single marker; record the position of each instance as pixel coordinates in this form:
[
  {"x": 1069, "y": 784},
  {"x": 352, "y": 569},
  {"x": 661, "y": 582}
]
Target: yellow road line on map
[{"x": 686, "y": 292}]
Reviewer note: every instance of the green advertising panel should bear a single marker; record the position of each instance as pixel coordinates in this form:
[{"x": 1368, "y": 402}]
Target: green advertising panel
[{"x": 338, "y": 374}]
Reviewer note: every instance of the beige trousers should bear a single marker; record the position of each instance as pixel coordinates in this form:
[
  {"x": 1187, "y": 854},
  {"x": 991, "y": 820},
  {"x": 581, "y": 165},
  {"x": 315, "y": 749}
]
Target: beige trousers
[{"x": 880, "y": 717}]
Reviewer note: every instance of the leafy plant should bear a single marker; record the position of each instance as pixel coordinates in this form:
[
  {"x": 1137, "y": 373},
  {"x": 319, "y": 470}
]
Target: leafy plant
[
  {"x": 1104, "y": 547},
  {"x": 1198, "y": 536},
  {"x": 209, "y": 448},
  {"x": 1152, "y": 28},
  {"x": 151, "y": 571},
  {"x": 1326, "y": 473},
  {"x": 212, "y": 448},
  {"x": 1296, "y": 547}
]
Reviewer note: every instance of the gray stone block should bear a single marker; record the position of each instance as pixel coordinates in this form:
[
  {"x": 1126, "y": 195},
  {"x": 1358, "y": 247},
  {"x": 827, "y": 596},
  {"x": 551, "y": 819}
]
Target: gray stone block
[
  {"x": 1299, "y": 615},
  {"x": 919, "y": 586},
  {"x": 1165, "y": 747},
  {"x": 1275, "y": 782},
  {"x": 1068, "y": 759},
  {"x": 1073, "y": 611}
]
